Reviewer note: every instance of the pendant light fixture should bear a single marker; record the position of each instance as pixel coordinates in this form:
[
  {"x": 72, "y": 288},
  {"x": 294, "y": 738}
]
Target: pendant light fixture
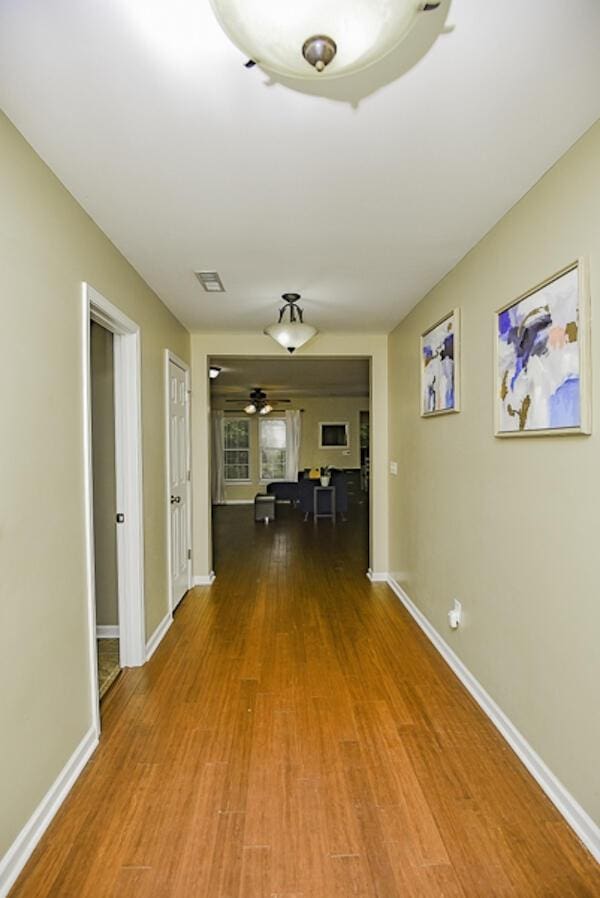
[
  {"x": 294, "y": 333},
  {"x": 317, "y": 38}
]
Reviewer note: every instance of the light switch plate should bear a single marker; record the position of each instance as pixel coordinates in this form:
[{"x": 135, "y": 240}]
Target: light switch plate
[{"x": 393, "y": 467}]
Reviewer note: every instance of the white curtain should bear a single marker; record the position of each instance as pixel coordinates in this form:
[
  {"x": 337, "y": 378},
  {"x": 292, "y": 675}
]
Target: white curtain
[
  {"x": 217, "y": 461},
  {"x": 293, "y": 427}
]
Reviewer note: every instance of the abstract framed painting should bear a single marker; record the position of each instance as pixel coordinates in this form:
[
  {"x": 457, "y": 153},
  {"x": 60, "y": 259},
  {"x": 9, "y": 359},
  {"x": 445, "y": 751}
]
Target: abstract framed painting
[
  {"x": 542, "y": 358},
  {"x": 440, "y": 367}
]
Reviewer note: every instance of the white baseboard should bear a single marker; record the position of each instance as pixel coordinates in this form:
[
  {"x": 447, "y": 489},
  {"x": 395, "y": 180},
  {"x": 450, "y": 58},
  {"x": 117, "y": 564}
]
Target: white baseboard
[
  {"x": 204, "y": 579},
  {"x": 239, "y": 502},
  {"x": 157, "y": 636},
  {"x": 377, "y": 576},
  {"x": 19, "y": 852},
  {"x": 578, "y": 819},
  {"x": 107, "y": 631}
]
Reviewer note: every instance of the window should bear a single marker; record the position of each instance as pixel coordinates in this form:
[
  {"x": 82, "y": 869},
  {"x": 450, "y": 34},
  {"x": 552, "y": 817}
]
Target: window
[
  {"x": 272, "y": 449},
  {"x": 334, "y": 435},
  {"x": 236, "y": 448}
]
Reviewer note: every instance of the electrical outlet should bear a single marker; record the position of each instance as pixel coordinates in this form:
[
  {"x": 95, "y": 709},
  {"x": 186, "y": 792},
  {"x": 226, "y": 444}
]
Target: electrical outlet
[
  {"x": 393, "y": 467},
  {"x": 455, "y": 616}
]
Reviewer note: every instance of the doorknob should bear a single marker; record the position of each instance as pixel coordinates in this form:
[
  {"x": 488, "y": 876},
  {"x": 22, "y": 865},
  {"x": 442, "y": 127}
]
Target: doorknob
[{"x": 175, "y": 499}]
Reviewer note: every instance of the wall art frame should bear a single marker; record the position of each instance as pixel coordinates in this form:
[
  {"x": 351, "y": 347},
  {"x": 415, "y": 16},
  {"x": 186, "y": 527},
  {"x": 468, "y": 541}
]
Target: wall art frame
[
  {"x": 440, "y": 351},
  {"x": 542, "y": 358}
]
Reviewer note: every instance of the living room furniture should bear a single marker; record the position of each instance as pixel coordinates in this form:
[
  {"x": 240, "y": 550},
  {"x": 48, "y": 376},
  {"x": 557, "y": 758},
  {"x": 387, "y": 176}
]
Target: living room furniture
[
  {"x": 284, "y": 491},
  {"x": 307, "y": 487},
  {"x": 264, "y": 507},
  {"x": 320, "y": 493}
]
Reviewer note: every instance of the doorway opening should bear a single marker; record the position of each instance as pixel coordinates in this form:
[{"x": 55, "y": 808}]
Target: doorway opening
[
  {"x": 286, "y": 444},
  {"x": 115, "y": 551},
  {"x": 106, "y": 590}
]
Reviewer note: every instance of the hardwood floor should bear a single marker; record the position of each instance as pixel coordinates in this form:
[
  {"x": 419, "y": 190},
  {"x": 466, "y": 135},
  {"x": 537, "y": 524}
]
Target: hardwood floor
[
  {"x": 296, "y": 735},
  {"x": 109, "y": 667}
]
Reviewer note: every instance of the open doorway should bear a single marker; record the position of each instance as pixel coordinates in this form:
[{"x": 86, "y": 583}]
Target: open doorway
[
  {"x": 113, "y": 481},
  {"x": 286, "y": 450},
  {"x": 105, "y": 505}
]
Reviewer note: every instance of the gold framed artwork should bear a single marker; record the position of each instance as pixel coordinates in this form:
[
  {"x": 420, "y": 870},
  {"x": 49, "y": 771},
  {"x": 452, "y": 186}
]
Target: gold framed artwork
[
  {"x": 542, "y": 358},
  {"x": 440, "y": 367}
]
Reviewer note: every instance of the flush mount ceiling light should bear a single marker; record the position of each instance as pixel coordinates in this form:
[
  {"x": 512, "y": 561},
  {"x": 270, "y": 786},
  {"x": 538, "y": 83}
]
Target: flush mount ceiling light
[
  {"x": 294, "y": 333},
  {"x": 317, "y": 38},
  {"x": 214, "y": 371}
]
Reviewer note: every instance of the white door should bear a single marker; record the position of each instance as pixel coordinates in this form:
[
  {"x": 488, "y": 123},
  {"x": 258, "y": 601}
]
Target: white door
[{"x": 179, "y": 481}]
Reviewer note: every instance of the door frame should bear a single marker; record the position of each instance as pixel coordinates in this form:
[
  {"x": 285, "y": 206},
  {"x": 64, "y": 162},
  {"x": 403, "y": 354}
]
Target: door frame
[
  {"x": 129, "y": 484},
  {"x": 171, "y": 357}
]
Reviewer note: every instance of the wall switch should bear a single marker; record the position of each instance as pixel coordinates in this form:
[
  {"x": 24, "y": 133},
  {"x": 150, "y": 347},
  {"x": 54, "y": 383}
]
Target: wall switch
[
  {"x": 393, "y": 467},
  {"x": 455, "y": 616}
]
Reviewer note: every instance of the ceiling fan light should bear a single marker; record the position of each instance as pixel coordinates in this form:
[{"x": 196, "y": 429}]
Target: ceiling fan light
[
  {"x": 353, "y": 34},
  {"x": 266, "y": 409},
  {"x": 250, "y": 409},
  {"x": 214, "y": 371}
]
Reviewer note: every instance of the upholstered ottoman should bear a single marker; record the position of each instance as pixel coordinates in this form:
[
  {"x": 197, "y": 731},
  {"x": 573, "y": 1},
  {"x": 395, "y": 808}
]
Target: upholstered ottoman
[{"x": 264, "y": 507}]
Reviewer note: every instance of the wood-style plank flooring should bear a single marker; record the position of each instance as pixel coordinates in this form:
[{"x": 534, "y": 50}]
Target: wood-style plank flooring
[{"x": 296, "y": 735}]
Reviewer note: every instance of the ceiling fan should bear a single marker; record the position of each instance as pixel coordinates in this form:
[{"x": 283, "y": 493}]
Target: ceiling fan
[{"x": 258, "y": 402}]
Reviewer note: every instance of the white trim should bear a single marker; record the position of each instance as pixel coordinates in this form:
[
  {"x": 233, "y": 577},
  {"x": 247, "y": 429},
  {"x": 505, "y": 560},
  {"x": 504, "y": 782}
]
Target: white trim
[
  {"x": 261, "y": 423},
  {"x": 205, "y": 579},
  {"x": 107, "y": 631},
  {"x": 377, "y": 576},
  {"x": 171, "y": 357},
  {"x": 88, "y": 481},
  {"x": 247, "y": 449},
  {"x": 571, "y": 810},
  {"x": 323, "y": 424},
  {"x": 21, "y": 849},
  {"x": 128, "y": 456},
  {"x": 239, "y": 502},
  {"x": 157, "y": 637}
]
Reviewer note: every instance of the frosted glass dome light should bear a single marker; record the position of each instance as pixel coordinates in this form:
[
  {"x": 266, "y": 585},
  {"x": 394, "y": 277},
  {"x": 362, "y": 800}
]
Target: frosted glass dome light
[
  {"x": 317, "y": 38},
  {"x": 294, "y": 333}
]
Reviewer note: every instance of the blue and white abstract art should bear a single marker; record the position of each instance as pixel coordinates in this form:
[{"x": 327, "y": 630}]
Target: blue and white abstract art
[
  {"x": 539, "y": 360},
  {"x": 439, "y": 367}
]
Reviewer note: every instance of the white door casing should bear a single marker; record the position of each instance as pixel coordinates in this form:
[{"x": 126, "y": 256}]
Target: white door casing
[
  {"x": 128, "y": 467},
  {"x": 178, "y": 477}
]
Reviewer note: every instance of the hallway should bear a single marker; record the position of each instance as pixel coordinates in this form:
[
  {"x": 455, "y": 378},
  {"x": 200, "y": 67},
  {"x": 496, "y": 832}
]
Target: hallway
[{"x": 296, "y": 735}]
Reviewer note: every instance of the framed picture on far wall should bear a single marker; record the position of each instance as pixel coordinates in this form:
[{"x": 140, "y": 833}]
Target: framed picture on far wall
[
  {"x": 542, "y": 358},
  {"x": 440, "y": 367}
]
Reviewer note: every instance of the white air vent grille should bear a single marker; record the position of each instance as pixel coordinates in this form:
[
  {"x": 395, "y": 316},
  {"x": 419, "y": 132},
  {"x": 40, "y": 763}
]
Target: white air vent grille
[{"x": 211, "y": 281}]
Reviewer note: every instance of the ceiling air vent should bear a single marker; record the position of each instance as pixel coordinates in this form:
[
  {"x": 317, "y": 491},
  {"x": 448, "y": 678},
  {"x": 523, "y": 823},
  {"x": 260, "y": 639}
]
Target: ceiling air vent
[{"x": 211, "y": 281}]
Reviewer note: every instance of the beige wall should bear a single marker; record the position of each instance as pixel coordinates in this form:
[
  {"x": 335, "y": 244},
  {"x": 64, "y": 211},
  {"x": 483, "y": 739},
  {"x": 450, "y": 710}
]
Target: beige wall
[
  {"x": 48, "y": 246},
  {"x": 315, "y": 409},
  {"x": 509, "y": 527},
  {"x": 372, "y": 346},
  {"x": 103, "y": 454}
]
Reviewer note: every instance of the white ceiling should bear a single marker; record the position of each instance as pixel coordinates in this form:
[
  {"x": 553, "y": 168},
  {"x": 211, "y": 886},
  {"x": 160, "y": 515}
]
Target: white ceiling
[
  {"x": 360, "y": 197},
  {"x": 291, "y": 376}
]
